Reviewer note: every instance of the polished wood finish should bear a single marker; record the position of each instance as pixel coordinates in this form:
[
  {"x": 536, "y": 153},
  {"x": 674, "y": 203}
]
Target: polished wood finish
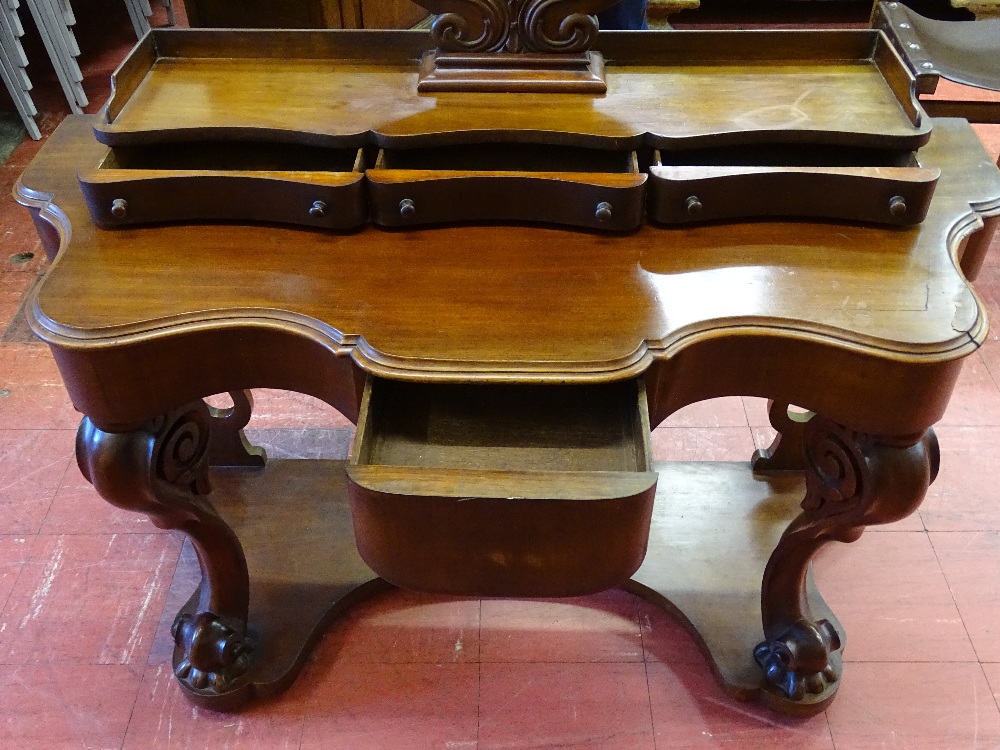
[
  {"x": 305, "y": 569},
  {"x": 228, "y": 445},
  {"x": 787, "y": 451},
  {"x": 160, "y": 469},
  {"x": 535, "y": 46},
  {"x": 884, "y": 195},
  {"x": 575, "y": 309},
  {"x": 714, "y": 526},
  {"x": 852, "y": 89},
  {"x": 295, "y": 524},
  {"x": 505, "y": 377},
  {"x": 497, "y": 490},
  {"x": 551, "y": 26},
  {"x": 154, "y": 184},
  {"x": 853, "y": 480},
  {"x": 515, "y": 72},
  {"x": 555, "y": 185}
]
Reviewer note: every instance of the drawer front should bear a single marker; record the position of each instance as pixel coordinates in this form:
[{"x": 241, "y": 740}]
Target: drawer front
[
  {"x": 882, "y": 195},
  {"x": 502, "y": 490},
  {"x": 401, "y": 198},
  {"x": 501, "y": 533},
  {"x": 119, "y": 198}
]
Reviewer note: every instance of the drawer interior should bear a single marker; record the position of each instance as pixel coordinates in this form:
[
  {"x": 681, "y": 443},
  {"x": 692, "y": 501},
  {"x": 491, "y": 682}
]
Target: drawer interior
[
  {"x": 509, "y": 157},
  {"x": 509, "y": 427},
  {"x": 232, "y": 156},
  {"x": 502, "y": 490},
  {"x": 788, "y": 155}
]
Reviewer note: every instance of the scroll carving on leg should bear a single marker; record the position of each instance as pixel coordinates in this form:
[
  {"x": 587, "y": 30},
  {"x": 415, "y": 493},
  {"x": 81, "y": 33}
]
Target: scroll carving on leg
[
  {"x": 853, "y": 480},
  {"x": 787, "y": 450},
  {"x": 228, "y": 443},
  {"x": 160, "y": 469}
]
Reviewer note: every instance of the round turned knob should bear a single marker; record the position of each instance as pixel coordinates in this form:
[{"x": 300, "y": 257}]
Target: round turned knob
[
  {"x": 693, "y": 205},
  {"x": 119, "y": 208},
  {"x": 317, "y": 210},
  {"x": 603, "y": 213},
  {"x": 897, "y": 205},
  {"x": 406, "y": 208}
]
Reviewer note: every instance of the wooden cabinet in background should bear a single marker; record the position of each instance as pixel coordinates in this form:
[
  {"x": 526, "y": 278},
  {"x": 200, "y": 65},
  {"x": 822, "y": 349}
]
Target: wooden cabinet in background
[
  {"x": 311, "y": 14},
  {"x": 381, "y": 14}
]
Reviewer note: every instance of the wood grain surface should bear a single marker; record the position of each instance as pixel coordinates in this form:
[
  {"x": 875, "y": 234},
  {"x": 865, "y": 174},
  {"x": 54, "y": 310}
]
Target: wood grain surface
[
  {"x": 206, "y": 307},
  {"x": 342, "y": 88}
]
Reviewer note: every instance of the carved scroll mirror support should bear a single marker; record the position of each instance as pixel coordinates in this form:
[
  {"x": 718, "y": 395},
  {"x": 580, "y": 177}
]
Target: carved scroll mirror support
[{"x": 514, "y": 46}]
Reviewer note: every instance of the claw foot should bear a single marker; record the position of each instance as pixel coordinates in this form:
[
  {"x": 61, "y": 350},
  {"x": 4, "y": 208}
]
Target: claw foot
[
  {"x": 215, "y": 655},
  {"x": 798, "y": 661}
]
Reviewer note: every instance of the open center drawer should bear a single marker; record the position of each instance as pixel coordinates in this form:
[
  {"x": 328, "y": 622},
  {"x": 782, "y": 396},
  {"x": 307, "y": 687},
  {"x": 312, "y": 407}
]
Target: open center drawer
[
  {"x": 227, "y": 181},
  {"x": 566, "y": 185},
  {"x": 502, "y": 490},
  {"x": 881, "y": 186}
]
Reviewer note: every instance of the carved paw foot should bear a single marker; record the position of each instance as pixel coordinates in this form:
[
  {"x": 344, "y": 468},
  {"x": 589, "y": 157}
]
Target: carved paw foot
[
  {"x": 798, "y": 661},
  {"x": 215, "y": 655}
]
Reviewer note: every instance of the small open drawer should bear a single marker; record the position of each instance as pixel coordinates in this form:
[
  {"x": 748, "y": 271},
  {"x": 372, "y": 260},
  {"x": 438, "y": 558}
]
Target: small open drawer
[
  {"x": 502, "y": 490},
  {"x": 824, "y": 182},
  {"x": 227, "y": 181},
  {"x": 565, "y": 185}
]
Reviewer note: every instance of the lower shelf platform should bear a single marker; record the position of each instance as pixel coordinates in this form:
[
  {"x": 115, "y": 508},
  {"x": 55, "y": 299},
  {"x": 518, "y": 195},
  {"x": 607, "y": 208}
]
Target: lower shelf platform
[{"x": 714, "y": 526}]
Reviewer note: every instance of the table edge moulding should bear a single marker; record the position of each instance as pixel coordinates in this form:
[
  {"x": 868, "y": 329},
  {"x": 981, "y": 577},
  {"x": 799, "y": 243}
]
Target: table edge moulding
[{"x": 506, "y": 279}]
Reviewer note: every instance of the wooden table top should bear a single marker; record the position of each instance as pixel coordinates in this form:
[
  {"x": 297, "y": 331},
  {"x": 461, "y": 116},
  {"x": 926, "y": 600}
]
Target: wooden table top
[
  {"x": 521, "y": 297},
  {"x": 513, "y": 303}
]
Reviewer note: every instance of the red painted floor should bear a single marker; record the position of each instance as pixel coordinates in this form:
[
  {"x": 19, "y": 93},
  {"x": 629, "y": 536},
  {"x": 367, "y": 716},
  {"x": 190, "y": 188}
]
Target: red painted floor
[{"x": 85, "y": 611}]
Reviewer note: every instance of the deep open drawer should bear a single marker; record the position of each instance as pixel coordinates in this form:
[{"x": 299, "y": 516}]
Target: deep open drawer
[
  {"x": 227, "y": 181},
  {"x": 564, "y": 185},
  {"x": 502, "y": 490},
  {"x": 881, "y": 186}
]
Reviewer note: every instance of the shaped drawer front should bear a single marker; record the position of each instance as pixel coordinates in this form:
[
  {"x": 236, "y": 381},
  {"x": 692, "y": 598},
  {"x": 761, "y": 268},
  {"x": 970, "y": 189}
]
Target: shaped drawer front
[
  {"x": 502, "y": 490},
  {"x": 502, "y": 182},
  {"x": 869, "y": 186},
  {"x": 240, "y": 182}
]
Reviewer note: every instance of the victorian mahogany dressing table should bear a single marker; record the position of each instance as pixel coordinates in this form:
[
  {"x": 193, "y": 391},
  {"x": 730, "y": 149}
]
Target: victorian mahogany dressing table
[{"x": 506, "y": 260}]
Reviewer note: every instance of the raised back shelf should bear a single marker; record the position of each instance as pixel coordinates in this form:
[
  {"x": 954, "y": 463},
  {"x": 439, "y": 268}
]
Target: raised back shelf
[{"x": 339, "y": 88}]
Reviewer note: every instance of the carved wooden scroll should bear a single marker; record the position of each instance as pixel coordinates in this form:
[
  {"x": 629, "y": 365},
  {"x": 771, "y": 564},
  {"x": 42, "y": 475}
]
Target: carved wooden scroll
[
  {"x": 514, "y": 45},
  {"x": 161, "y": 469},
  {"x": 853, "y": 480}
]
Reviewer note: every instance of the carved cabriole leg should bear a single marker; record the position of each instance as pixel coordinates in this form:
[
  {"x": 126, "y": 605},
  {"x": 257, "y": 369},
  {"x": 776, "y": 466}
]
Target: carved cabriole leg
[
  {"x": 160, "y": 469},
  {"x": 229, "y": 445},
  {"x": 787, "y": 450},
  {"x": 853, "y": 480}
]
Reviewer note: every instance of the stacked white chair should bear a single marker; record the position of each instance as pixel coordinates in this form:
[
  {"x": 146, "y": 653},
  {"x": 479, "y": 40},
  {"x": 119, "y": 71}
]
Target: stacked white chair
[
  {"x": 140, "y": 11},
  {"x": 54, "y": 19},
  {"x": 12, "y": 64}
]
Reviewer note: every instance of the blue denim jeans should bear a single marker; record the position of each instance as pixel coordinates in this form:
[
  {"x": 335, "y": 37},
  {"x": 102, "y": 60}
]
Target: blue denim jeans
[{"x": 628, "y": 14}]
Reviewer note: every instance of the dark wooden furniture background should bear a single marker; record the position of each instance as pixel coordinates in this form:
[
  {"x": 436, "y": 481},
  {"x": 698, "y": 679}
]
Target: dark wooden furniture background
[
  {"x": 504, "y": 379},
  {"x": 304, "y": 14}
]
